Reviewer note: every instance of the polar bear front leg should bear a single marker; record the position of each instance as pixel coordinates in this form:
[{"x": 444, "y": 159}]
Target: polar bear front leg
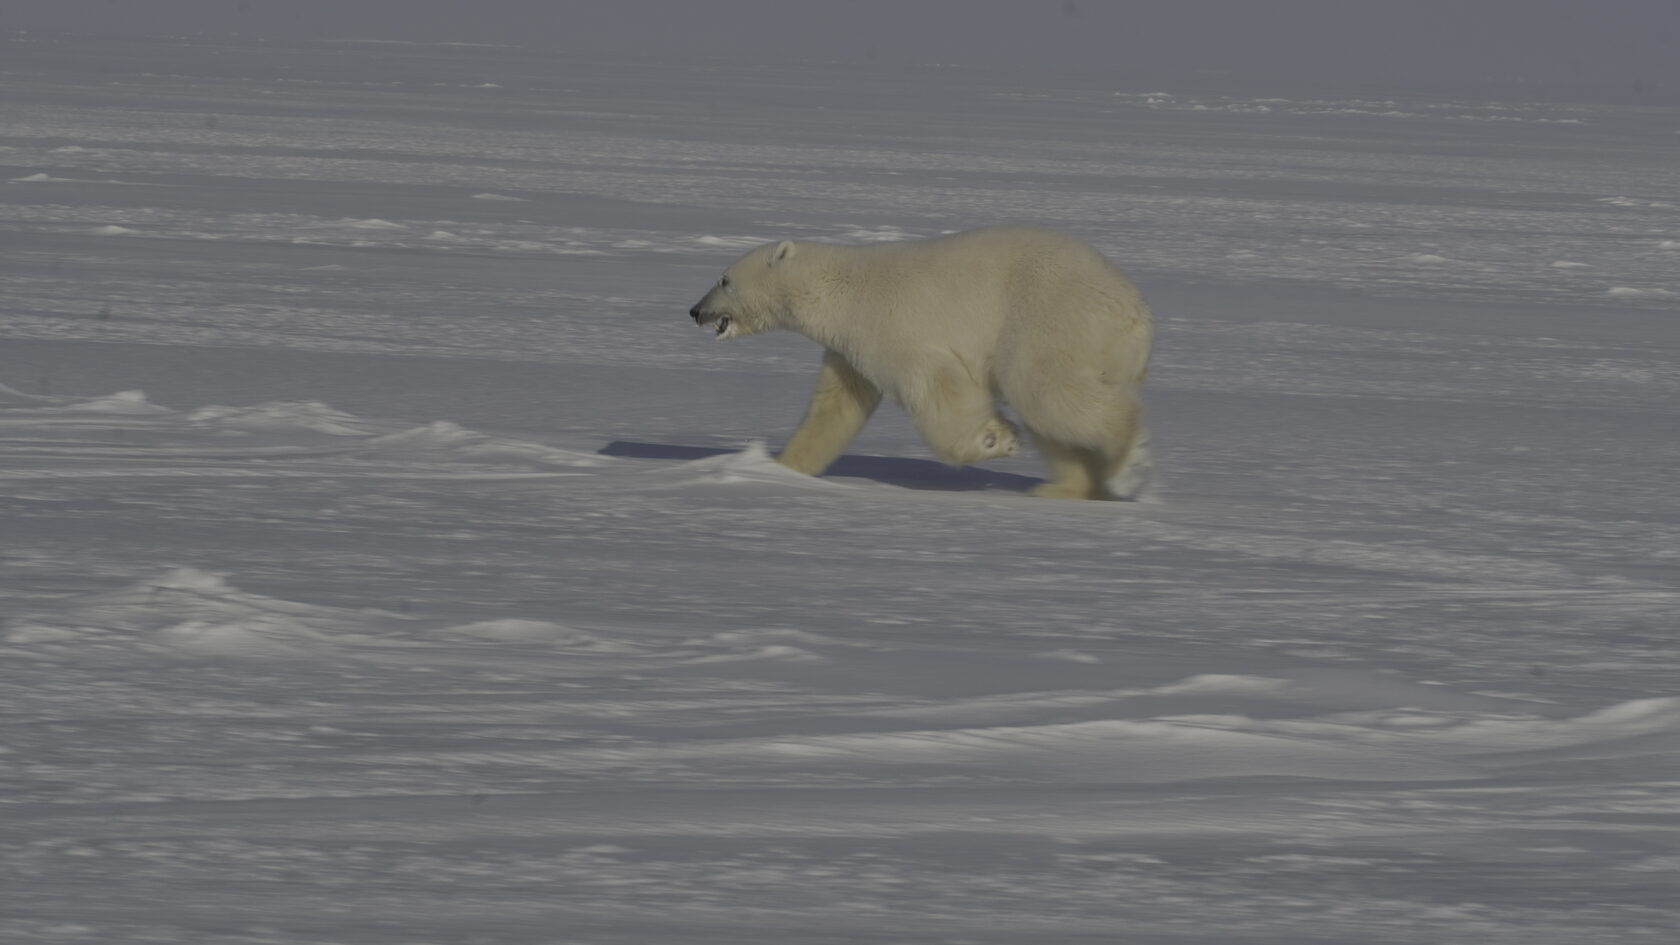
[
  {"x": 841, "y": 405},
  {"x": 958, "y": 419}
]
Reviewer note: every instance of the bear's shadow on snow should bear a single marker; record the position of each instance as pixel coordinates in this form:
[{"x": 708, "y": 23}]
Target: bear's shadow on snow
[{"x": 892, "y": 470}]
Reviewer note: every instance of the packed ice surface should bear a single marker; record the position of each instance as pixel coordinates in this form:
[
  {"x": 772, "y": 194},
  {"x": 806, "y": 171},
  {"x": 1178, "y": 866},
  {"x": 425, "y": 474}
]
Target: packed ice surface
[{"x": 385, "y": 559}]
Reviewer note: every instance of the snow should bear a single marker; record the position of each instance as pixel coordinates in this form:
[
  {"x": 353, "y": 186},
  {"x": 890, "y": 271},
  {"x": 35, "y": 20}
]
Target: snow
[{"x": 385, "y": 558}]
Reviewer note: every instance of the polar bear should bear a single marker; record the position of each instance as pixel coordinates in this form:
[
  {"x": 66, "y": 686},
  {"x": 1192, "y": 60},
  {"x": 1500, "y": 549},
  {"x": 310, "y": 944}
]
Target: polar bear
[{"x": 950, "y": 327}]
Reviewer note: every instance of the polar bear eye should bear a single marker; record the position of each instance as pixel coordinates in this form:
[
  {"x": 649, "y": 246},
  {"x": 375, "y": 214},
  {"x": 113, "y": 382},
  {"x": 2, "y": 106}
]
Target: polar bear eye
[{"x": 723, "y": 283}]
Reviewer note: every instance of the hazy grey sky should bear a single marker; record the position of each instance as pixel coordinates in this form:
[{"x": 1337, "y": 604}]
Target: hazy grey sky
[{"x": 1625, "y": 45}]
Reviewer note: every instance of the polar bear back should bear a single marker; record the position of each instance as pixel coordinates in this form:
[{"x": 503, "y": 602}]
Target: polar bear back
[{"x": 1015, "y": 303}]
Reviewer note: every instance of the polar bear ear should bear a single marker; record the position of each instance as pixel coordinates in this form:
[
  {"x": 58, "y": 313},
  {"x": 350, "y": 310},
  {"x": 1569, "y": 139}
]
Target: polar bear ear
[{"x": 784, "y": 249}]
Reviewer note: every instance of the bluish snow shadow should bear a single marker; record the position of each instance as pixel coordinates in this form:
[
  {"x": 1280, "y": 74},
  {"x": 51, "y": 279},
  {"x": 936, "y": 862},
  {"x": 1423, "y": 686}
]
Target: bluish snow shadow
[{"x": 892, "y": 470}]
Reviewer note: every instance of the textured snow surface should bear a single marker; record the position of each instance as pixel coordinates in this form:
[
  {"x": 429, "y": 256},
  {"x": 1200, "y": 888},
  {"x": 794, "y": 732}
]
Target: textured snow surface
[{"x": 384, "y": 558}]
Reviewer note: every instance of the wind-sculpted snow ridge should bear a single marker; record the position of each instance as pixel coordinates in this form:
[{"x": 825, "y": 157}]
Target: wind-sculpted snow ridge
[
  {"x": 1341, "y": 726},
  {"x": 210, "y": 440},
  {"x": 49, "y": 179},
  {"x": 1336, "y": 726},
  {"x": 303, "y": 416},
  {"x": 446, "y": 440},
  {"x": 1354, "y": 108},
  {"x": 221, "y": 734},
  {"x": 121, "y": 404},
  {"x": 188, "y": 613},
  {"x": 10, "y": 396},
  {"x": 541, "y": 689}
]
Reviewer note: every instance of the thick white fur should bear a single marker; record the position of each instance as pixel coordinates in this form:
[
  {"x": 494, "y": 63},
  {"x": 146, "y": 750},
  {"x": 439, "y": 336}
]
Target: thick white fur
[{"x": 949, "y": 327}]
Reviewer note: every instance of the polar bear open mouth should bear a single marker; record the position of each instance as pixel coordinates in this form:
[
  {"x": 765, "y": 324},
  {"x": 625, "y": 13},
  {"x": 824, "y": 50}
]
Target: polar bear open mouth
[{"x": 724, "y": 326}]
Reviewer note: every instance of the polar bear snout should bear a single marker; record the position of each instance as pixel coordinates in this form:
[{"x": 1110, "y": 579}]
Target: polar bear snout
[{"x": 704, "y": 317}]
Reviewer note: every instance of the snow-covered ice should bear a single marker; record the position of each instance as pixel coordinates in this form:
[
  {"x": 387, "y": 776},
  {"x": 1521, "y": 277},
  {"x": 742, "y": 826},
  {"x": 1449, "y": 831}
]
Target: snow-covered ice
[{"x": 384, "y": 558}]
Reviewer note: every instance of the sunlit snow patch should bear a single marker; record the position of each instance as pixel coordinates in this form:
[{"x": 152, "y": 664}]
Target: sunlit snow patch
[
  {"x": 447, "y": 439},
  {"x": 879, "y": 234},
  {"x": 49, "y": 179},
  {"x": 1636, "y": 202},
  {"x": 1215, "y": 683},
  {"x": 1069, "y": 656},
  {"x": 124, "y": 403},
  {"x": 520, "y": 630},
  {"x": 711, "y": 243},
  {"x": 373, "y": 224},
  {"x": 776, "y": 651},
  {"x": 310, "y": 416},
  {"x": 764, "y": 644},
  {"x": 751, "y": 466},
  {"x": 1432, "y": 259}
]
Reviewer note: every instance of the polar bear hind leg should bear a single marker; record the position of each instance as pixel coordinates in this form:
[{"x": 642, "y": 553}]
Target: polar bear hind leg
[
  {"x": 1075, "y": 472},
  {"x": 957, "y": 415},
  {"x": 1085, "y": 458}
]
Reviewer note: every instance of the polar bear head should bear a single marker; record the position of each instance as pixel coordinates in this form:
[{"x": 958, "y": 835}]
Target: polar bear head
[{"x": 757, "y": 294}]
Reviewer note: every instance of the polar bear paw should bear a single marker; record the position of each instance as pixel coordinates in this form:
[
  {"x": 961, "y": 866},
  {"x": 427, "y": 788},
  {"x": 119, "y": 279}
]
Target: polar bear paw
[{"x": 998, "y": 437}]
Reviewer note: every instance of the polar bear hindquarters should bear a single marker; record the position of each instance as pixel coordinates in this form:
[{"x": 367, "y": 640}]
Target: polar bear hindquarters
[{"x": 1071, "y": 360}]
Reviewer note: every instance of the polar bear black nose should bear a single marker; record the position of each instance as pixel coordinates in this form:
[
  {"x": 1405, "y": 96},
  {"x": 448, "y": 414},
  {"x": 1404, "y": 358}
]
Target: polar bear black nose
[{"x": 694, "y": 313}]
